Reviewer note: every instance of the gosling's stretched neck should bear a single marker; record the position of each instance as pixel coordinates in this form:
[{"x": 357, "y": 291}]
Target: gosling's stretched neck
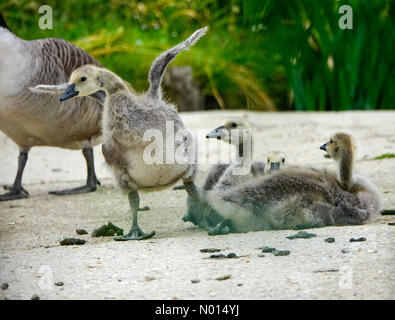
[
  {"x": 110, "y": 82},
  {"x": 346, "y": 165}
]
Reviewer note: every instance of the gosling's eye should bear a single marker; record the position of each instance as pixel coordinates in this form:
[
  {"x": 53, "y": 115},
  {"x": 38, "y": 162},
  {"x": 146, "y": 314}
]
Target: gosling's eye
[
  {"x": 83, "y": 79},
  {"x": 331, "y": 141},
  {"x": 234, "y": 124},
  {"x": 283, "y": 160}
]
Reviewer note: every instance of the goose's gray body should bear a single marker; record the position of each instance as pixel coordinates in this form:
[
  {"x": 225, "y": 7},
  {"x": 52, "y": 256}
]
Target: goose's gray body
[{"x": 32, "y": 119}]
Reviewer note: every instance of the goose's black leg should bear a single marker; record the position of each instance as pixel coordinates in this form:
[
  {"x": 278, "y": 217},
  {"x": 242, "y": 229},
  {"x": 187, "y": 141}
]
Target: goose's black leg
[
  {"x": 91, "y": 182},
  {"x": 17, "y": 191},
  {"x": 135, "y": 232}
]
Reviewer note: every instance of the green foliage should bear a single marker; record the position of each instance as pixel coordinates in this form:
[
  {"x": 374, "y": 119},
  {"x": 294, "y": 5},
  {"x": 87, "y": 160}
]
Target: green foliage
[
  {"x": 262, "y": 55},
  {"x": 384, "y": 156}
]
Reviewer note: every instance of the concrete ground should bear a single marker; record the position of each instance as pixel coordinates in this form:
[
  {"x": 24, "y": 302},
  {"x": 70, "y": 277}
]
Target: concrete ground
[{"x": 31, "y": 259}]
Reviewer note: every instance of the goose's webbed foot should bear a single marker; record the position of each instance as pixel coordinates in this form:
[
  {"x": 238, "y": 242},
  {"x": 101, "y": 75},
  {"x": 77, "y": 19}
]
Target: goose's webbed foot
[
  {"x": 135, "y": 234},
  {"x": 84, "y": 189},
  {"x": 16, "y": 190},
  {"x": 14, "y": 194},
  {"x": 224, "y": 227},
  {"x": 92, "y": 181}
]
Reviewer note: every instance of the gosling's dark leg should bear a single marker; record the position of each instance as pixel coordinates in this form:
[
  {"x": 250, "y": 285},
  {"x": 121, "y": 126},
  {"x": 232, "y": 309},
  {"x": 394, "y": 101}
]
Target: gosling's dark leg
[
  {"x": 135, "y": 232},
  {"x": 200, "y": 211},
  {"x": 194, "y": 201},
  {"x": 91, "y": 182},
  {"x": 17, "y": 191}
]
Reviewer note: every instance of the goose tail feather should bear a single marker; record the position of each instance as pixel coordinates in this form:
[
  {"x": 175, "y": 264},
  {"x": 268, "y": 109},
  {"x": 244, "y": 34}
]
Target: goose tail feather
[{"x": 3, "y": 24}]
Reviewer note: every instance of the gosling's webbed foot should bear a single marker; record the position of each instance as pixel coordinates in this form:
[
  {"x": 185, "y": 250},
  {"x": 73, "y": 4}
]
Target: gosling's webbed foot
[
  {"x": 135, "y": 234},
  {"x": 84, "y": 189},
  {"x": 224, "y": 227},
  {"x": 189, "y": 218},
  {"x": 14, "y": 195}
]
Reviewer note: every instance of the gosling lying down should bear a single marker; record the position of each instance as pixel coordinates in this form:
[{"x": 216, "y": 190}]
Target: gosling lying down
[
  {"x": 297, "y": 198},
  {"x": 126, "y": 118},
  {"x": 235, "y": 131}
]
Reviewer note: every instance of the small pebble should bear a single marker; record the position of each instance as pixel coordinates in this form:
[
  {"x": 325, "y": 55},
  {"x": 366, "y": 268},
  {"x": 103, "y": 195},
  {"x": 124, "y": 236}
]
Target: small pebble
[
  {"x": 239, "y": 284},
  {"x": 195, "y": 280},
  {"x": 71, "y": 241},
  {"x": 108, "y": 230},
  {"x": 59, "y": 283},
  {"x": 180, "y": 187},
  {"x": 81, "y": 231},
  {"x": 357, "y": 239},
  {"x": 217, "y": 256},
  {"x": 35, "y": 297},
  {"x": 302, "y": 235},
  {"x": 330, "y": 240},
  {"x": 261, "y": 255},
  {"x": 268, "y": 249},
  {"x": 145, "y": 208},
  {"x": 226, "y": 277},
  {"x": 345, "y": 250},
  {"x": 387, "y": 212},
  {"x": 210, "y": 250},
  {"x": 281, "y": 252},
  {"x": 4, "y": 286},
  {"x": 328, "y": 270},
  {"x": 231, "y": 255}
]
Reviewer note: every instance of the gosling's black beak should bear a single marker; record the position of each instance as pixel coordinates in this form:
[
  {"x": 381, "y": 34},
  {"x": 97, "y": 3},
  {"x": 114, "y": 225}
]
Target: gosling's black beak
[
  {"x": 69, "y": 93},
  {"x": 274, "y": 166},
  {"x": 323, "y": 147},
  {"x": 216, "y": 133}
]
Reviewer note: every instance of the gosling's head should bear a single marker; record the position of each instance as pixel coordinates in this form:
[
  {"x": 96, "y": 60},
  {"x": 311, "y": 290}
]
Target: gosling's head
[
  {"x": 339, "y": 145},
  {"x": 232, "y": 131},
  {"x": 276, "y": 160},
  {"x": 83, "y": 82}
]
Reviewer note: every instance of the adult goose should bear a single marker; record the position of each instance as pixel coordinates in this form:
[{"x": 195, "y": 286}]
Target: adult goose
[{"x": 32, "y": 119}]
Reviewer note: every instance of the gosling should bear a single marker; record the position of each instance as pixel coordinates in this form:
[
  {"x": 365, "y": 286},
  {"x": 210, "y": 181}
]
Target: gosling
[
  {"x": 296, "y": 198},
  {"x": 234, "y": 131},
  {"x": 127, "y": 117}
]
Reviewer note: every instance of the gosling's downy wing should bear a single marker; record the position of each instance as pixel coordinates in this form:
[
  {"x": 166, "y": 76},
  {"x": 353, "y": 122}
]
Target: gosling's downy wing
[{"x": 160, "y": 64}]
